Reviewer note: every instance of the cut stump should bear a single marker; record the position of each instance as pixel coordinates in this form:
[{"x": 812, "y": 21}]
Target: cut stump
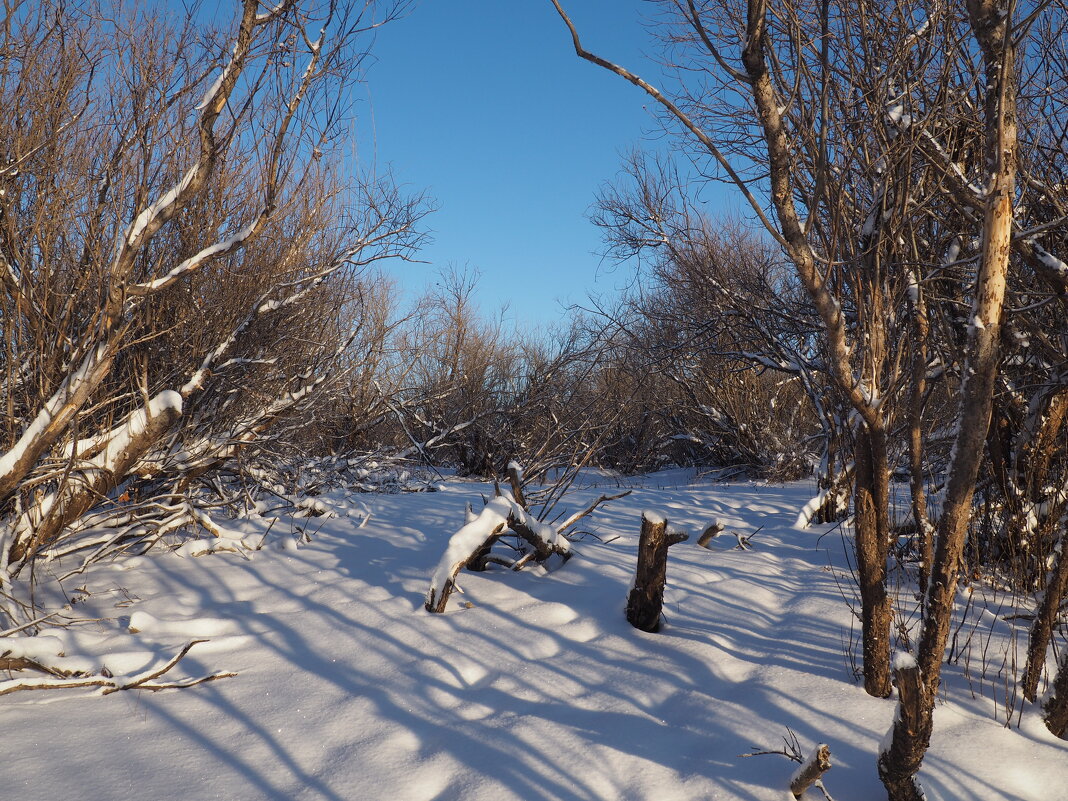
[
  {"x": 646, "y": 599},
  {"x": 810, "y": 772}
]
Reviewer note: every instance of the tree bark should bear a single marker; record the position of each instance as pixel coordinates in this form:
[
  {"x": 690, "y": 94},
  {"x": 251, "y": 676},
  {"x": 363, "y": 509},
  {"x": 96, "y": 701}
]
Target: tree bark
[
  {"x": 646, "y": 599},
  {"x": 1045, "y": 619},
  {"x": 1056, "y": 708},
  {"x": 991, "y": 23},
  {"x": 872, "y": 538}
]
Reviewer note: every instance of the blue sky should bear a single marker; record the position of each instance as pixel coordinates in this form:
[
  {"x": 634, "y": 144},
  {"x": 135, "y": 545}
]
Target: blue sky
[{"x": 485, "y": 104}]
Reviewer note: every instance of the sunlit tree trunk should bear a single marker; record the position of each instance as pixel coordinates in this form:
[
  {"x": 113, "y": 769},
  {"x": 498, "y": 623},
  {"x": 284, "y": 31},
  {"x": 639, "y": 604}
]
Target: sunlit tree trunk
[{"x": 911, "y": 734}]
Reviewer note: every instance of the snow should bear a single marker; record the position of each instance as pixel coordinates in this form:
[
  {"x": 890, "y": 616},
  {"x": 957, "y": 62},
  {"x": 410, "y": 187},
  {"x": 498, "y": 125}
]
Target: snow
[
  {"x": 913, "y": 289},
  {"x": 165, "y": 200},
  {"x": 903, "y": 660},
  {"x": 1051, "y": 261},
  {"x": 535, "y": 689},
  {"x": 655, "y": 518},
  {"x": 897, "y": 115},
  {"x": 141, "y": 621}
]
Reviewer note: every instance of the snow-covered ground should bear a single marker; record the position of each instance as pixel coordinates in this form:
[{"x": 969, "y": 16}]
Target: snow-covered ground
[{"x": 531, "y": 686}]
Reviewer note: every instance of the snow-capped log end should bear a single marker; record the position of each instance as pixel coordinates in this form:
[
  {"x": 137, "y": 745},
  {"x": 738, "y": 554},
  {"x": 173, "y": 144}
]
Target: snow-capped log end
[
  {"x": 810, "y": 771},
  {"x": 515, "y": 480},
  {"x": 646, "y": 599},
  {"x": 903, "y": 660},
  {"x": 654, "y": 518}
]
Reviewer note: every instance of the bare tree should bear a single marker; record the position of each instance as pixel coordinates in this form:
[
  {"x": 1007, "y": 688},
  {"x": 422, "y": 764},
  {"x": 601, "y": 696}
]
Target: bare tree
[
  {"x": 172, "y": 223},
  {"x": 786, "y": 117},
  {"x": 885, "y": 140},
  {"x": 992, "y": 23},
  {"x": 723, "y": 320}
]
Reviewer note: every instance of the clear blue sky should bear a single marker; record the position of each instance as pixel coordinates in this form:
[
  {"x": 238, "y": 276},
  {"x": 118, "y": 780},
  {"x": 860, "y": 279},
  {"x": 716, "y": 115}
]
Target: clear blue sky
[{"x": 485, "y": 104}]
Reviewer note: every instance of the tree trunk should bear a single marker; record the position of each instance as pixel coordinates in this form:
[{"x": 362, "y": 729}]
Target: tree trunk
[
  {"x": 917, "y": 488},
  {"x": 872, "y": 537},
  {"x": 991, "y": 23},
  {"x": 1056, "y": 708},
  {"x": 1045, "y": 619},
  {"x": 646, "y": 599},
  {"x": 899, "y": 763}
]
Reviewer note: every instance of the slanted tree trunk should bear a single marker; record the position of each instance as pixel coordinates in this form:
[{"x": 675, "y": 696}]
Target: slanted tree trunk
[
  {"x": 646, "y": 599},
  {"x": 96, "y": 477},
  {"x": 991, "y": 23},
  {"x": 810, "y": 771}
]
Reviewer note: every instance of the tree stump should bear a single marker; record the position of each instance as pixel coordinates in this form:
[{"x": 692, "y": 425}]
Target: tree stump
[
  {"x": 713, "y": 530},
  {"x": 810, "y": 771},
  {"x": 900, "y": 760},
  {"x": 646, "y": 599}
]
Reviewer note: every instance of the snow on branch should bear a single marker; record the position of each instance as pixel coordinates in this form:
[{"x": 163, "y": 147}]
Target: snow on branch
[
  {"x": 501, "y": 515},
  {"x": 147, "y": 680},
  {"x": 472, "y": 537},
  {"x": 220, "y": 248}
]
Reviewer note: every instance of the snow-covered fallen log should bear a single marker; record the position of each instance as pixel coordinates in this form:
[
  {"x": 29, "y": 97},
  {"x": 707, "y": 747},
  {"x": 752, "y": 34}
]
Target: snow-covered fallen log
[
  {"x": 501, "y": 515},
  {"x": 504, "y": 514},
  {"x": 473, "y": 537}
]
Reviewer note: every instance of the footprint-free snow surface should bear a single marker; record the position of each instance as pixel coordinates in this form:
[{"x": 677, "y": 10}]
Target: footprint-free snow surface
[{"x": 531, "y": 686}]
